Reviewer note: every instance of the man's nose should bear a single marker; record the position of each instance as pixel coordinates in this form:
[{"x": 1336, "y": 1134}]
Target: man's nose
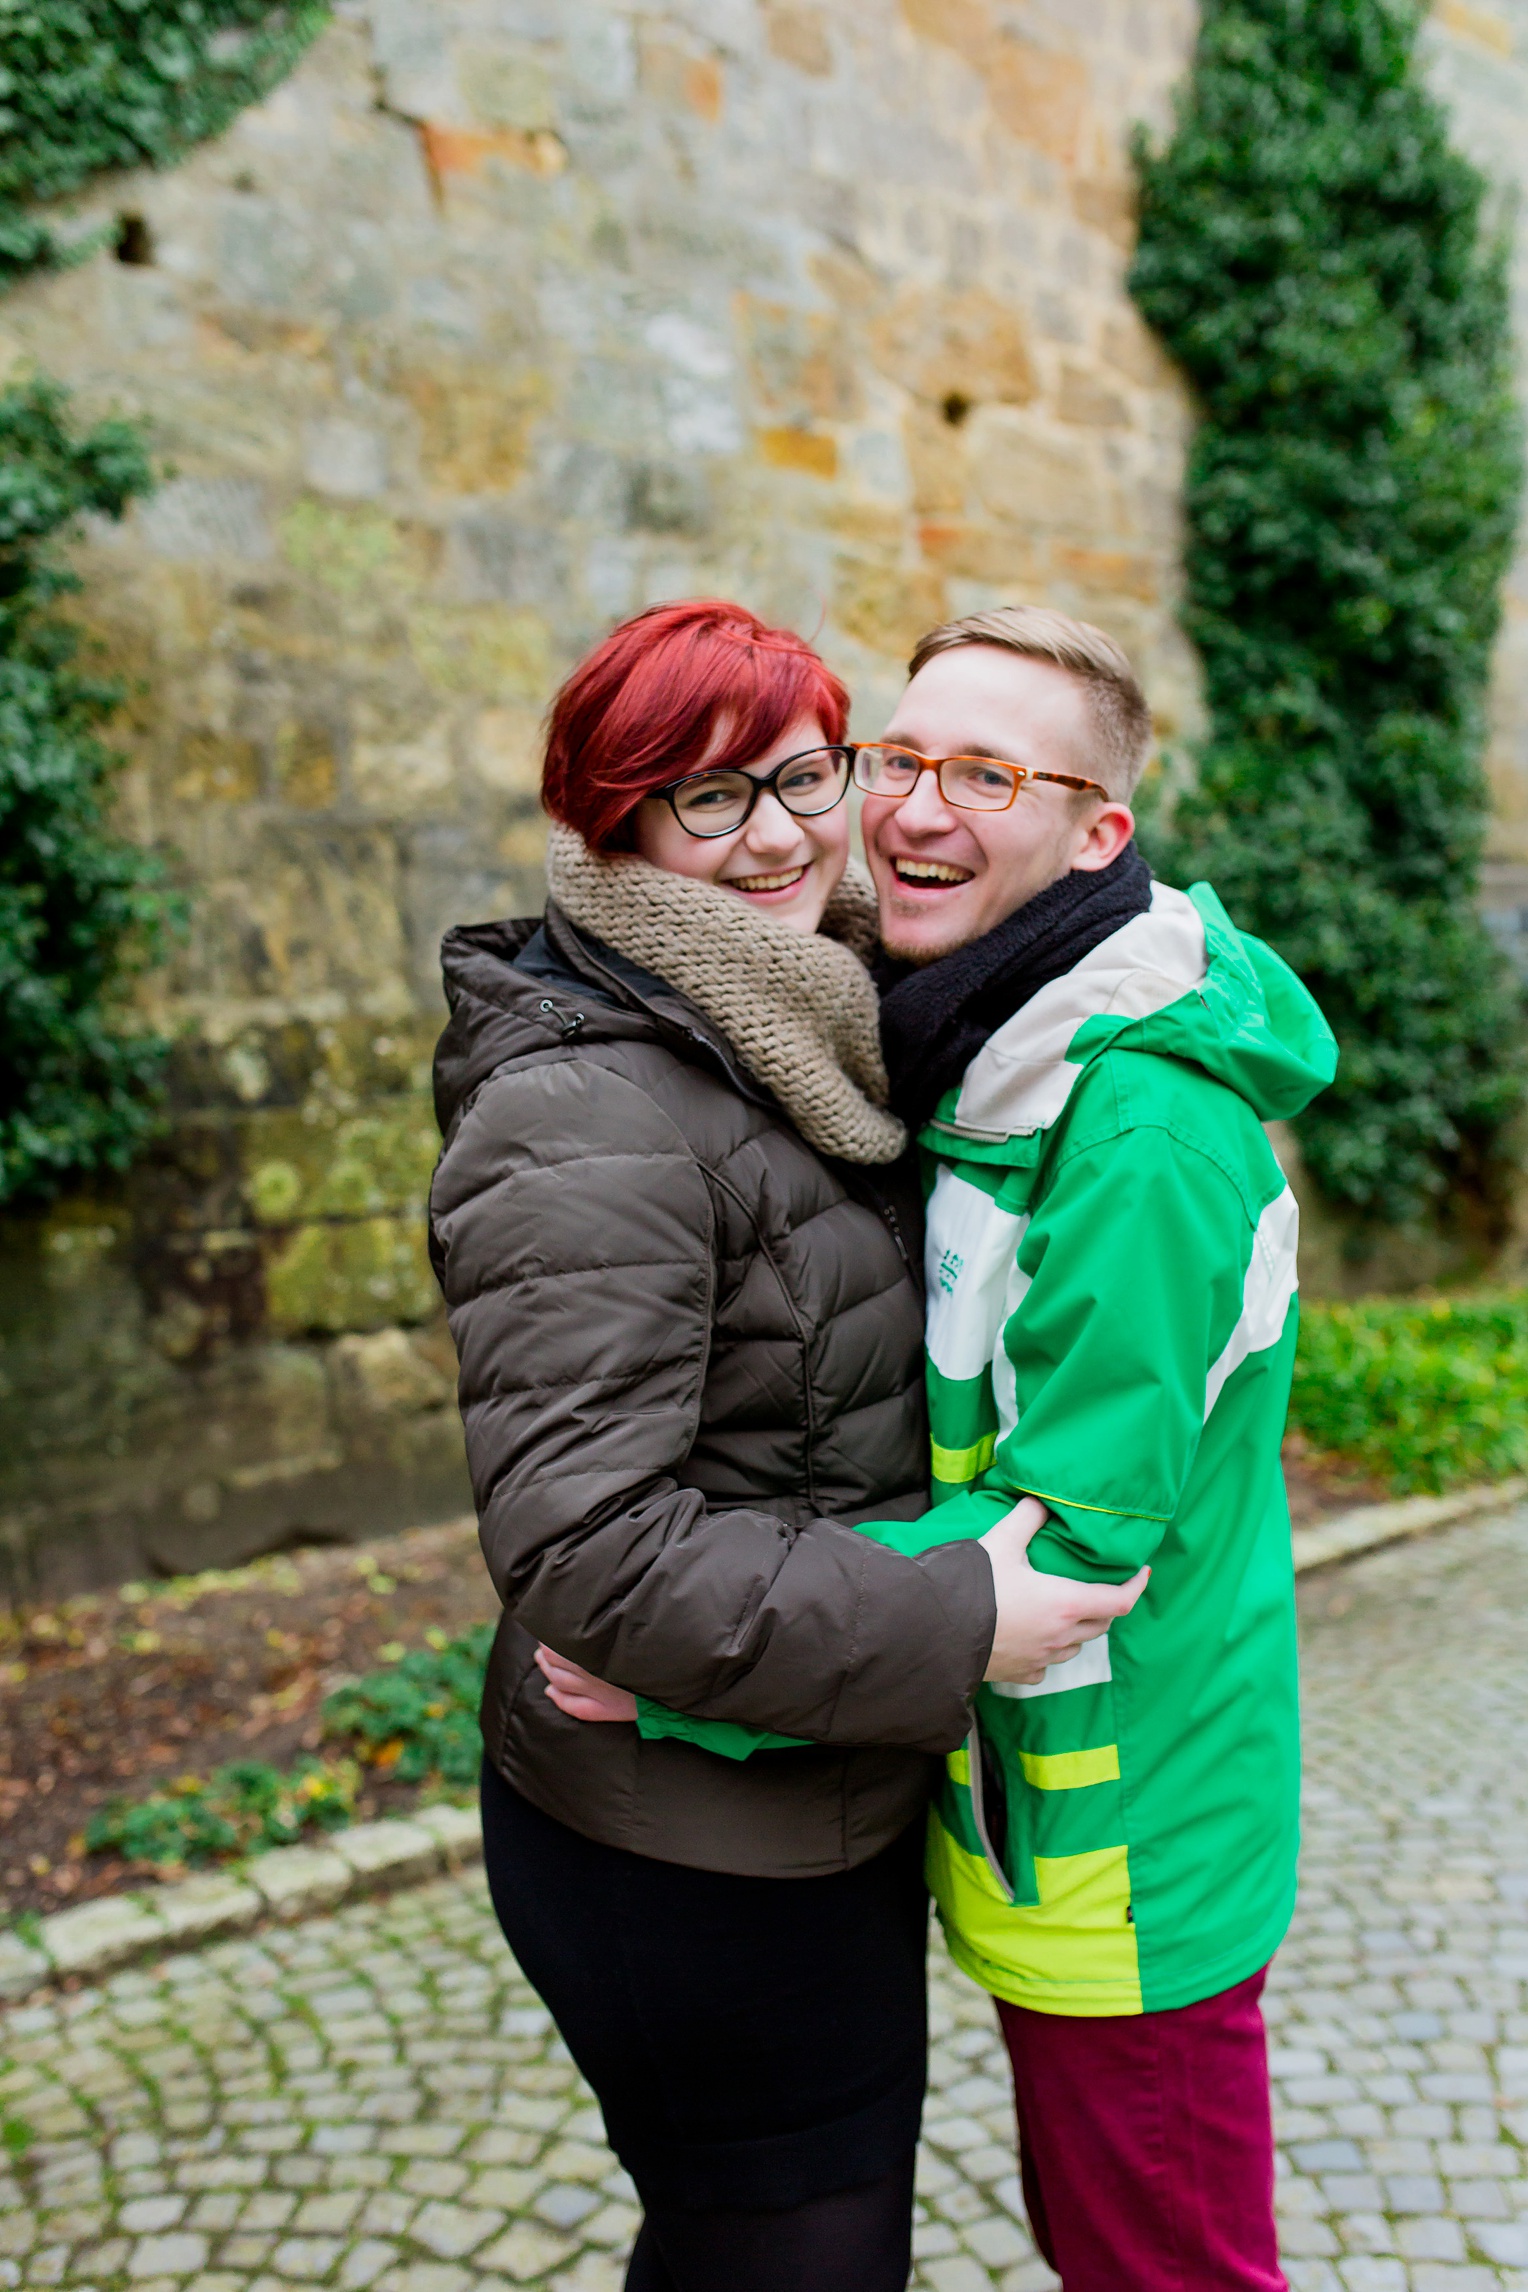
[{"x": 924, "y": 812}]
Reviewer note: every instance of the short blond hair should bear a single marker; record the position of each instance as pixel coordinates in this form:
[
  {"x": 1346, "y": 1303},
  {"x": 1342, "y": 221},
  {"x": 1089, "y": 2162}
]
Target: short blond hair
[{"x": 1117, "y": 706}]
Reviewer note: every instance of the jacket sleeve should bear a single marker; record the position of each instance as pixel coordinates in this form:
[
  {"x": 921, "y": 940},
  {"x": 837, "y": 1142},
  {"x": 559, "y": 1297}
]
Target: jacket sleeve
[
  {"x": 574, "y": 1233},
  {"x": 1135, "y": 1259}
]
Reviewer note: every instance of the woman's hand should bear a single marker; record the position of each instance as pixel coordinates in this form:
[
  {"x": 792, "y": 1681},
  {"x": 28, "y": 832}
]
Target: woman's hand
[
  {"x": 579, "y": 1693},
  {"x": 1043, "y": 1620}
]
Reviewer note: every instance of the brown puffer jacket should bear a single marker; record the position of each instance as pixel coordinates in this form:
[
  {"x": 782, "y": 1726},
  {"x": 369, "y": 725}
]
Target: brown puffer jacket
[{"x": 691, "y": 1350}]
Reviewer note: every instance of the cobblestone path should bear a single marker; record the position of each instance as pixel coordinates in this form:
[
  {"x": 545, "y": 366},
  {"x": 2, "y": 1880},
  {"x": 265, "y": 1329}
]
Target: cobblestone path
[{"x": 375, "y": 2098}]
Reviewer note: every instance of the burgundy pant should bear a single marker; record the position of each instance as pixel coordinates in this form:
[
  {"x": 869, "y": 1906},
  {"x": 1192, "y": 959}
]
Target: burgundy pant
[{"x": 1146, "y": 2145}]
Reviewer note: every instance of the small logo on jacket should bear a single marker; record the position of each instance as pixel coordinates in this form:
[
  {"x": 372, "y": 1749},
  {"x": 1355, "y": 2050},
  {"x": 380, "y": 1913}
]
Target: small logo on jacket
[{"x": 949, "y": 1270}]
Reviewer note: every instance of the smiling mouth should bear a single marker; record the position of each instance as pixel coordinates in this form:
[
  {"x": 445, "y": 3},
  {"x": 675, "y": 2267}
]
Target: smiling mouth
[
  {"x": 930, "y": 874},
  {"x": 783, "y": 882}
]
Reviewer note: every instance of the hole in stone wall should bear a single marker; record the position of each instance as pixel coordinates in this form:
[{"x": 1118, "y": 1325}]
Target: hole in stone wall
[
  {"x": 135, "y": 241},
  {"x": 955, "y": 408}
]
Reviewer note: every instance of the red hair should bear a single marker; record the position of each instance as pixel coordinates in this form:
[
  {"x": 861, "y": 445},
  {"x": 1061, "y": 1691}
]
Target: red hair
[{"x": 644, "y": 707}]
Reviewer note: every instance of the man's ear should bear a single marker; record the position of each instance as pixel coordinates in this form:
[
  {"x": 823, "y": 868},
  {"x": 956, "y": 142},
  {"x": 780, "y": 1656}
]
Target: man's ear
[{"x": 1103, "y": 837}]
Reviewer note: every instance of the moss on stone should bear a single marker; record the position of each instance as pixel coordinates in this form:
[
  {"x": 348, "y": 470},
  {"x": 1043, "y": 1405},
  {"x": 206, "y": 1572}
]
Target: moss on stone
[
  {"x": 345, "y": 549},
  {"x": 358, "y": 1275},
  {"x": 371, "y": 1163}
]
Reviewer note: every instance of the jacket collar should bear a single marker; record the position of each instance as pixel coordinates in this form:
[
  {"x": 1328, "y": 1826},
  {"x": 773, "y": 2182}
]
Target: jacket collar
[{"x": 580, "y": 993}]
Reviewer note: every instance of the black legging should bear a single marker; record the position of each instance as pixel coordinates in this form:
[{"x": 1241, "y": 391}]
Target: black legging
[
  {"x": 857, "y": 2241},
  {"x": 757, "y": 2046}
]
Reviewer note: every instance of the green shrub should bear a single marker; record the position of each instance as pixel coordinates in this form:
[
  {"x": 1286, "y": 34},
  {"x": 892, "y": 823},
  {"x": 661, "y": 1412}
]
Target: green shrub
[
  {"x": 1311, "y": 254},
  {"x": 87, "y": 85},
  {"x": 415, "y": 1721},
  {"x": 1425, "y": 1394},
  {"x": 245, "y": 1808},
  {"x": 418, "y": 1720},
  {"x": 80, "y": 909}
]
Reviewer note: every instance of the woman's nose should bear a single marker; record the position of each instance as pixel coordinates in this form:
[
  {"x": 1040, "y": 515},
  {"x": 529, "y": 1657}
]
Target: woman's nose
[{"x": 772, "y": 827}]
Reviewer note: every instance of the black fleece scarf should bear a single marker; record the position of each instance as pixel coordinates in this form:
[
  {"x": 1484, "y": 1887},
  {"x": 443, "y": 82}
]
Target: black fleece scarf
[{"x": 935, "y": 1019}]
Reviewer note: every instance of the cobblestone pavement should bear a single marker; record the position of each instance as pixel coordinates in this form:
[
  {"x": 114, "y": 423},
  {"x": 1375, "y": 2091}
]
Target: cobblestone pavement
[{"x": 376, "y": 2098}]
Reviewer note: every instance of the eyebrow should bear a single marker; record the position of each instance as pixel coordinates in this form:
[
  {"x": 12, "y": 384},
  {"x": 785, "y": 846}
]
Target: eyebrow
[{"x": 968, "y": 748}]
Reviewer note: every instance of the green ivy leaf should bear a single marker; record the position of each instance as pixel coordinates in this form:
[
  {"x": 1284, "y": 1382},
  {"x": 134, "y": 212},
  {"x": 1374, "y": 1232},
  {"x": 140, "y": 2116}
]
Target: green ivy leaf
[{"x": 1311, "y": 253}]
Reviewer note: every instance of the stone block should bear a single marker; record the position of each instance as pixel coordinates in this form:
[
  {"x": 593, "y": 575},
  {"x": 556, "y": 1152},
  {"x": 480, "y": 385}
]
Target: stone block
[
  {"x": 216, "y": 517},
  {"x": 358, "y": 1275},
  {"x": 21, "y": 1968},
  {"x": 99, "y": 1935},
  {"x": 345, "y": 458},
  {"x": 800, "y": 36},
  {"x": 525, "y": 2252},
  {"x": 1040, "y": 95},
  {"x": 295, "y": 1880},
  {"x": 474, "y": 421},
  {"x": 303, "y": 1168},
  {"x": 200, "y": 1909},
  {"x": 1041, "y": 479},
  {"x": 453, "y": 2230},
  {"x": 808, "y": 451},
  {"x": 489, "y": 651},
  {"x": 969, "y": 346},
  {"x": 210, "y": 767},
  {"x": 458, "y": 1831},
  {"x": 393, "y": 1850},
  {"x": 887, "y": 608},
  {"x": 504, "y": 746},
  {"x": 385, "y": 1374}
]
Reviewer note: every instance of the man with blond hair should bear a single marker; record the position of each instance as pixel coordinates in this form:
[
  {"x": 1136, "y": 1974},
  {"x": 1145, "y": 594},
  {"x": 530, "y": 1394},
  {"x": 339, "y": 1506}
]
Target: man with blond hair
[{"x": 1088, "y": 1059}]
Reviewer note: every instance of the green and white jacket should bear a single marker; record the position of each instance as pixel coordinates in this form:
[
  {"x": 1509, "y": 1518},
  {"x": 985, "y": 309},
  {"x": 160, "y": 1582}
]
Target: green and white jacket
[{"x": 1111, "y": 1328}]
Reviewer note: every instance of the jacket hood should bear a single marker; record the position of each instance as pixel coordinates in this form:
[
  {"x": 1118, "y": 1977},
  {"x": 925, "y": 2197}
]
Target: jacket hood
[
  {"x": 521, "y": 988},
  {"x": 1181, "y": 981}
]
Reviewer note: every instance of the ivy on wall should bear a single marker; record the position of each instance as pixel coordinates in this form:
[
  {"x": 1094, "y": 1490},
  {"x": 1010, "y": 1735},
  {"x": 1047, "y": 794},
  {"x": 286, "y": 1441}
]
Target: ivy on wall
[
  {"x": 1312, "y": 254},
  {"x": 80, "y": 910},
  {"x": 85, "y": 86},
  {"x": 90, "y": 85}
]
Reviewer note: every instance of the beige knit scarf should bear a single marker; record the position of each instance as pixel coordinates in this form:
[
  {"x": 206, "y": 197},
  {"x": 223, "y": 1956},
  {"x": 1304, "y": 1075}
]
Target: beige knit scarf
[{"x": 799, "y": 1008}]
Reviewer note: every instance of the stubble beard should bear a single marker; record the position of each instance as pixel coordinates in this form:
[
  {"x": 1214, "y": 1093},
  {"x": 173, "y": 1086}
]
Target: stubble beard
[{"x": 921, "y": 956}]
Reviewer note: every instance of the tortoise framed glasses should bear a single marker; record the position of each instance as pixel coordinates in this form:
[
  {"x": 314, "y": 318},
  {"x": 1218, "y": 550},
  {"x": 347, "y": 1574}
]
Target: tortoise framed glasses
[{"x": 971, "y": 783}]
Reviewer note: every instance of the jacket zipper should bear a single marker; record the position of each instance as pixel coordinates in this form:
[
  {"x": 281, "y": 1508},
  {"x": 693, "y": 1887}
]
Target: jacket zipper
[
  {"x": 979, "y": 1810},
  {"x": 894, "y": 1223}
]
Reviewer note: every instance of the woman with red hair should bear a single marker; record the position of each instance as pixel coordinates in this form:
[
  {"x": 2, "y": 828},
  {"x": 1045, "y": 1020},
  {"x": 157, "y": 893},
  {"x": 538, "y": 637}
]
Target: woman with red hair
[{"x": 678, "y": 1263}]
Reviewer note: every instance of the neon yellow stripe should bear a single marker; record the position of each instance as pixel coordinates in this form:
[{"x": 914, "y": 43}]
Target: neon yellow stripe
[
  {"x": 1074, "y": 1954},
  {"x": 959, "y": 1765},
  {"x": 958, "y": 1465},
  {"x": 1071, "y": 1770},
  {"x": 1074, "y": 1504}
]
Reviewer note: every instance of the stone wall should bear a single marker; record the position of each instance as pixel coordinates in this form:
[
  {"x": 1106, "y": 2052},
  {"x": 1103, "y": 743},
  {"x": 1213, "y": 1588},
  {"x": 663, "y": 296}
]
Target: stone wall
[
  {"x": 1478, "y": 53},
  {"x": 499, "y": 320}
]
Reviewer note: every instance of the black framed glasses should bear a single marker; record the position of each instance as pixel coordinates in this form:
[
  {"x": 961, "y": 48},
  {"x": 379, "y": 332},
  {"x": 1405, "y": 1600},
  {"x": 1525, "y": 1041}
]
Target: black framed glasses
[
  {"x": 719, "y": 803},
  {"x": 970, "y": 783}
]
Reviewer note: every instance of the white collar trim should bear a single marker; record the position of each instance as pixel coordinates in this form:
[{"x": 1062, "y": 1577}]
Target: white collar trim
[{"x": 1020, "y": 1079}]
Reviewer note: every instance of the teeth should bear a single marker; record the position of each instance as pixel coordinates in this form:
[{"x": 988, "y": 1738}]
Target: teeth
[
  {"x": 930, "y": 871},
  {"x": 768, "y": 882}
]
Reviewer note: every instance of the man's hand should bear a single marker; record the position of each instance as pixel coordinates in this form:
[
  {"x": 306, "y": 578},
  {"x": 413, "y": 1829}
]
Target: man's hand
[
  {"x": 1043, "y": 1620},
  {"x": 578, "y": 1693}
]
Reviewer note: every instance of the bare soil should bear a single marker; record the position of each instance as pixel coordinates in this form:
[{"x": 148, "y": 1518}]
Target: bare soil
[
  {"x": 119, "y": 1693},
  {"x": 116, "y": 1694},
  {"x": 1320, "y": 1485}
]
